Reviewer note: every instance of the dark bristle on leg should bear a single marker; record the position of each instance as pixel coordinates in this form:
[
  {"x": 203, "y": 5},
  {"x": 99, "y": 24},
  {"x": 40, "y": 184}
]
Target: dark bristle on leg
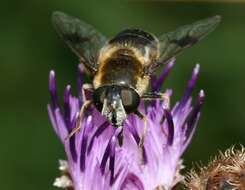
[{"x": 140, "y": 115}]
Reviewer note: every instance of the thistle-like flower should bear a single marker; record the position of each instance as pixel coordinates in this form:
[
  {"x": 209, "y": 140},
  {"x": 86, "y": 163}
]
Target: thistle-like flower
[
  {"x": 224, "y": 172},
  {"x": 150, "y": 157}
]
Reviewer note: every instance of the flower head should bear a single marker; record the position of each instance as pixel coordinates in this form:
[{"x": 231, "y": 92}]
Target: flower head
[
  {"x": 226, "y": 171},
  {"x": 150, "y": 157}
]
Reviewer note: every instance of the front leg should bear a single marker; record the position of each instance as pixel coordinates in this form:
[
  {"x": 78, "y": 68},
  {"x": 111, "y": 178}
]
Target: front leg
[
  {"x": 85, "y": 106},
  {"x": 156, "y": 95},
  {"x": 87, "y": 90}
]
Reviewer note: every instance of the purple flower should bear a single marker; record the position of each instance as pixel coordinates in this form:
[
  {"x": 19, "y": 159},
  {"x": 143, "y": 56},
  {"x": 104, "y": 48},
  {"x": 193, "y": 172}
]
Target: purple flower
[{"x": 96, "y": 161}]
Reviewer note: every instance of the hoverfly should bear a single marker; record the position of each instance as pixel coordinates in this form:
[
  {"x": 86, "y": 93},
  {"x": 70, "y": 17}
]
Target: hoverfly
[{"x": 121, "y": 67}]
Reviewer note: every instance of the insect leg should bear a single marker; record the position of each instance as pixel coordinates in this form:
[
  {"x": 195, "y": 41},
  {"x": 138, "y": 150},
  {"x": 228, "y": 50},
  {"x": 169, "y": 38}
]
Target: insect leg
[
  {"x": 156, "y": 95},
  {"x": 87, "y": 89},
  {"x": 85, "y": 106}
]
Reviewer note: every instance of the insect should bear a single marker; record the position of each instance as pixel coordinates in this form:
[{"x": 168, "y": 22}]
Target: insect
[{"x": 121, "y": 67}]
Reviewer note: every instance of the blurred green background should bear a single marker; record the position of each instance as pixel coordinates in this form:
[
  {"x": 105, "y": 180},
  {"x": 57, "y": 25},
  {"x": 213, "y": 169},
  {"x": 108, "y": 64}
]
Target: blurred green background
[{"x": 30, "y": 48}]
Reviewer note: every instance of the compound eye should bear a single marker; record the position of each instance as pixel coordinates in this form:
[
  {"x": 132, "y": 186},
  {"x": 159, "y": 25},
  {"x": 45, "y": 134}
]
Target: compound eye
[
  {"x": 130, "y": 99},
  {"x": 98, "y": 97},
  {"x": 127, "y": 97},
  {"x": 102, "y": 96}
]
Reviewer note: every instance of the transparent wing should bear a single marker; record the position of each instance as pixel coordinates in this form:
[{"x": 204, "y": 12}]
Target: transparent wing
[
  {"x": 81, "y": 37},
  {"x": 186, "y": 36}
]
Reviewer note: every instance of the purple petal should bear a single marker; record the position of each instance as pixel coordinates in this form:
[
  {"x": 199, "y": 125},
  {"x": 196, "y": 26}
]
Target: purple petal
[
  {"x": 191, "y": 123},
  {"x": 79, "y": 84},
  {"x": 189, "y": 87},
  {"x": 157, "y": 83},
  {"x": 53, "y": 89},
  {"x": 134, "y": 132},
  {"x": 170, "y": 125},
  {"x": 74, "y": 108},
  {"x": 86, "y": 131},
  {"x": 67, "y": 110},
  {"x": 142, "y": 107},
  {"x": 132, "y": 182},
  {"x": 83, "y": 151},
  {"x": 105, "y": 157},
  {"x": 112, "y": 159},
  {"x": 72, "y": 140},
  {"x": 62, "y": 130},
  {"x": 153, "y": 82},
  {"x": 72, "y": 144},
  {"x": 144, "y": 156},
  {"x": 52, "y": 119},
  {"x": 98, "y": 132}
]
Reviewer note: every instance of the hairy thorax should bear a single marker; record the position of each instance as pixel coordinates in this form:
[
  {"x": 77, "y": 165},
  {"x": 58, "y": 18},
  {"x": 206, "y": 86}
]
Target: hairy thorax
[{"x": 123, "y": 67}]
